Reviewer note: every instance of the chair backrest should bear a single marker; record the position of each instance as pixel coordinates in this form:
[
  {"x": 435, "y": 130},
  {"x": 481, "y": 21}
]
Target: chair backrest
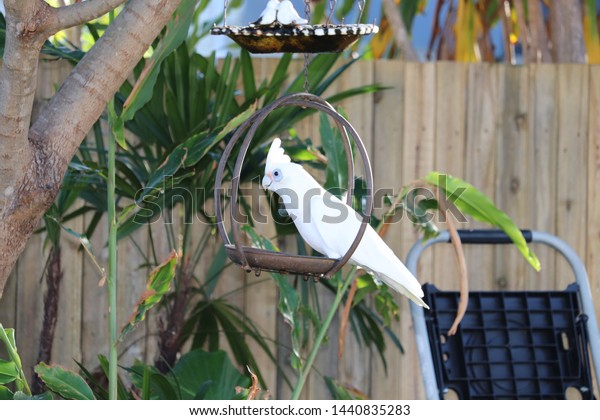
[{"x": 516, "y": 344}]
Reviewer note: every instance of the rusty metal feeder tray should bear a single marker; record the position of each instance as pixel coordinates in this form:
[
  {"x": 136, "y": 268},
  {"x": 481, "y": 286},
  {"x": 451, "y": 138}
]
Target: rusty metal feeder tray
[
  {"x": 254, "y": 259},
  {"x": 329, "y": 38}
]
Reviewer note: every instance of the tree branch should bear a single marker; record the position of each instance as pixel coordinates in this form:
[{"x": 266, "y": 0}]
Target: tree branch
[
  {"x": 79, "y": 13},
  {"x": 17, "y": 85},
  {"x": 400, "y": 33},
  {"x": 54, "y": 137}
]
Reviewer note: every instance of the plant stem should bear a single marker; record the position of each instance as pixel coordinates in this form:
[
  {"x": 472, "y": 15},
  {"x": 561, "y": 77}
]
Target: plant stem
[
  {"x": 112, "y": 264},
  {"x": 14, "y": 356},
  {"x": 302, "y": 375}
]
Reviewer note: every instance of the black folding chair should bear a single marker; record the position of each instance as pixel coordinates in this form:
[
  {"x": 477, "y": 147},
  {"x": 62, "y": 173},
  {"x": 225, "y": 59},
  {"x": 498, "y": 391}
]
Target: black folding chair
[{"x": 510, "y": 344}]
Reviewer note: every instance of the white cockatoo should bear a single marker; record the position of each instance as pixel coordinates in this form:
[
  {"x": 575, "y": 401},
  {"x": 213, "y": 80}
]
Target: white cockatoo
[
  {"x": 287, "y": 15},
  {"x": 330, "y": 226},
  {"x": 269, "y": 15}
]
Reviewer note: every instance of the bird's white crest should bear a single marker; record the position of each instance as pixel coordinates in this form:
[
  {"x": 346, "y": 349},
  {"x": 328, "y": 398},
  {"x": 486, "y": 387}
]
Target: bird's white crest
[
  {"x": 330, "y": 226},
  {"x": 276, "y": 156}
]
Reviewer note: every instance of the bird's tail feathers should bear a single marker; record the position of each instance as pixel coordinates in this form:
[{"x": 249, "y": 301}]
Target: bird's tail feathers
[{"x": 394, "y": 284}]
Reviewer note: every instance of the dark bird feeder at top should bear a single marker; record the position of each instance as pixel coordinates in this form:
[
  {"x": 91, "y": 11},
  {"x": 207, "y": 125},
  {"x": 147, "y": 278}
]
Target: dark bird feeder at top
[{"x": 293, "y": 38}]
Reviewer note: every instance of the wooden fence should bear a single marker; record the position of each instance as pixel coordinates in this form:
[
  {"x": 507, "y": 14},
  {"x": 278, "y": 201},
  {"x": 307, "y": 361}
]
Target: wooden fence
[{"x": 528, "y": 136}]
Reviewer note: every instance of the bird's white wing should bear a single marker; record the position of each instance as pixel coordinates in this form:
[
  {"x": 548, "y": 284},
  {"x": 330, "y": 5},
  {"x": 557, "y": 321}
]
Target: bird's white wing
[
  {"x": 330, "y": 226},
  {"x": 336, "y": 225},
  {"x": 269, "y": 15},
  {"x": 287, "y": 15}
]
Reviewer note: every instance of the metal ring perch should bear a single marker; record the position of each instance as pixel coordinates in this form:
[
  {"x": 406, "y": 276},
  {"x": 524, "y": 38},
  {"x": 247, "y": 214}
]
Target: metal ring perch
[{"x": 253, "y": 259}]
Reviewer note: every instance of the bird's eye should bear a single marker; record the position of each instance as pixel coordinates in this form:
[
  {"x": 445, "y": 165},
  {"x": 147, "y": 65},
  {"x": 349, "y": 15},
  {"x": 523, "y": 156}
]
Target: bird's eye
[{"x": 277, "y": 175}]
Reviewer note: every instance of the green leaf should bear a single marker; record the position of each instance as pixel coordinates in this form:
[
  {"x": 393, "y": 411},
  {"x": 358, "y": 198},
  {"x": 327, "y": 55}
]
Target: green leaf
[
  {"x": 176, "y": 33},
  {"x": 474, "y": 203},
  {"x": 117, "y": 126},
  {"x": 365, "y": 286},
  {"x": 126, "y": 212},
  {"x": 199, "y": 145},
  {"x": 159, "y": 283},
  {"x": 337, "y": 165},
  {"x": 198, "y": 368},
  {"x": 158, "y": 386},
  {"x": 289, "y": 301},
  {"x": 5, "y": 393},
  {"x": 122, "y": 390},
  {"x": 214, "y": 271},
  {"x": 2, "y": 34},
  {"x": 8, "y": 371},
  {"x": 248, "y": 75},
  {"x": 19, "y": 395},
  {"x": 63, "y": 382},
  {"x": 10, "y": 337},
  {"x": 169, "y": 167},
  {"x": 341, "y": 392}
]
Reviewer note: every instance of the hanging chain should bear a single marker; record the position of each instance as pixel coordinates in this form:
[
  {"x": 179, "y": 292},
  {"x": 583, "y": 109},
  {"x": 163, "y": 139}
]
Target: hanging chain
[
  {"x": 332, "y": 4},
  {"x": 306, "y": 82},
  {"x": 307, "y": 10},
  {"x": 225, "y": 6},
  {"x": 361, "y": 9},
  {"x": 306, "y": 56}
]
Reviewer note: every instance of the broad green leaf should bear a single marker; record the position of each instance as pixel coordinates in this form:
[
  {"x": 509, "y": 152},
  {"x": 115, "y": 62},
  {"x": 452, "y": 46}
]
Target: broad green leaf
[
  {"x": 8, "y": 337},
  {"x": 63, "y": 382},
  {"x": 169, "y": 167},
  {"x": 122, "y": 390},
  {"x": 126, "y": 212},
  {"x": 19, "y": 395},
  {"x": 365, "y": 286},
  {"x": 289, "y": 301},
  {"x": 341, "y": 392},
  {"x": 8, "y": 372},
  {"x": 5, "y": 393},
  {"x": 337, "y": 164},
  {"x": 199, "y": 145},
  {"x": 154, "y": 384},
  {"x": 198, "y": 368},
  {"x": 474, "y": 203},
  {"x": 248, "y": 75},
  {"x": 159, "y": 283},
  {"x": 176, "y": 33},
  {"x": 214, "y": 271}
]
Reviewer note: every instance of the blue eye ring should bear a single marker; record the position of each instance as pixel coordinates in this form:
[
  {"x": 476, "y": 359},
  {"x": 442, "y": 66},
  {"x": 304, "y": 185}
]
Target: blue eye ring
[{"x": 277, "y": 175}]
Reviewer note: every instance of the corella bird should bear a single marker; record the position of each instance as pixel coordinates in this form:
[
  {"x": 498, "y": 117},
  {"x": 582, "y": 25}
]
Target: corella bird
[
  {"x": 269, "y": 15},
  {"x": 330, "y": 226},
  {"x": 287, "y": 15}
]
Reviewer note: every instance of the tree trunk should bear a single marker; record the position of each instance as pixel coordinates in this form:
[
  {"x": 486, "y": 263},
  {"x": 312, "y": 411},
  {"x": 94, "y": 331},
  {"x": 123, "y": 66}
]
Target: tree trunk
[
  {"x": 33, "y": 162},
  {"x": 566, "y": 27},
  {"x": 540, "y": 52},
  {"x": 400, "y": 32}
]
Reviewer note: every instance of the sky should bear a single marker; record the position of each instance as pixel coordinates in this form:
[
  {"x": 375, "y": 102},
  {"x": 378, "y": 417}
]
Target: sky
[{"x": 249, "y": 12}]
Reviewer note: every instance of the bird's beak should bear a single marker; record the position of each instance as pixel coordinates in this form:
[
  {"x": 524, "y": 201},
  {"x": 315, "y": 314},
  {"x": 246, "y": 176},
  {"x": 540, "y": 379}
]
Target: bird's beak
[{"x": 266, "y": 182}]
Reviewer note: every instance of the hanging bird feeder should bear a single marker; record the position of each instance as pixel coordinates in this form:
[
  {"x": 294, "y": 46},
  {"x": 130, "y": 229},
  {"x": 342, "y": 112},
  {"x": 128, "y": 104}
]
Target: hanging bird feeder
[
  {"x": 254, "y": 259},
  {"x": 282, "y": 34}
]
